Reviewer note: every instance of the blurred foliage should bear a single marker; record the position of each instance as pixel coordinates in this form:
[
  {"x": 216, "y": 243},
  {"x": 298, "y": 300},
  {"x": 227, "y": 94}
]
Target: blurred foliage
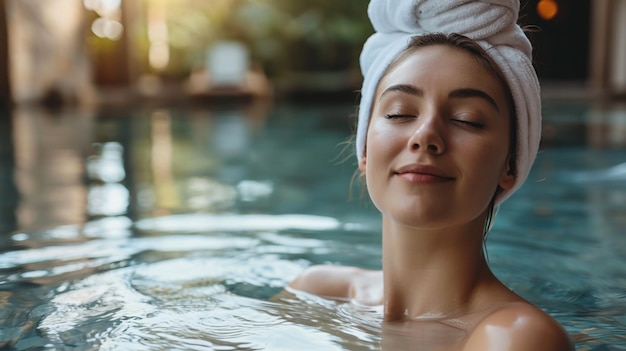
[{"x": 282, "y": 35}]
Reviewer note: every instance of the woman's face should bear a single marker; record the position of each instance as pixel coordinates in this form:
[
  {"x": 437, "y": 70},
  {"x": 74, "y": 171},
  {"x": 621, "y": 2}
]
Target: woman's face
[{"x": 438, "y": 139}]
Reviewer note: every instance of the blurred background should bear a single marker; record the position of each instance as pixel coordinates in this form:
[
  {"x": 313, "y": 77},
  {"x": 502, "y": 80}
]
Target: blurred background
[
  {"x": 93, "y": 86},
  {"x": 103, "y": 51},
  {"x": 163, "y": 160}
]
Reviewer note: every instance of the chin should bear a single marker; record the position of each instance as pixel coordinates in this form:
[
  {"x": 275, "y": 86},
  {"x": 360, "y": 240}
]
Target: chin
[{"x": 423, "y": 219}]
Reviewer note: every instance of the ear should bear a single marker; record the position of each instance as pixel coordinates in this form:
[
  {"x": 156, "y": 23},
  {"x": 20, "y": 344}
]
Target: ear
[
  {"x": 507, "y": 179},
  {"x": 362, "y": 164}
]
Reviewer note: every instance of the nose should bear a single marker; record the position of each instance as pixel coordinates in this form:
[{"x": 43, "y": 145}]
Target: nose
[{"x": 427, "y": 135}]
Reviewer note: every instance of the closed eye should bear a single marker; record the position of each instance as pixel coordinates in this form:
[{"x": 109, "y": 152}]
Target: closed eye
[
  {"x": 398, "y": 116},
  {"x": 472, "y": 124}
]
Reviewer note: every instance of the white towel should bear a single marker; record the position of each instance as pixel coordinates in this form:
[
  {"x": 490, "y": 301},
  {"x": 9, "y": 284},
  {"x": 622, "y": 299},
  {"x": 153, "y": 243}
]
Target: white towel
[{"x": 492, "y": 23}]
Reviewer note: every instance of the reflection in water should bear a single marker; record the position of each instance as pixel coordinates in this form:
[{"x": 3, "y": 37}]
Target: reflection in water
[
  {"x": 615, "y": 173},
  {"x": 162, "y": 149},
  {"x": 108, "y": 199},
  {"x": 597, "y": 126},
  {"x": 50, "y": 151},
  {"x": 206, "y": 194},
  {"x": 199, "y": 160},
  {"x": 107, "y": 196},
  {"x": 181, "y": 182},
  {"x": 108, "y": 166},
  {"x": 8, "y": 204},
  {"x": 250, "y": 190},
  {"x": 606, "y": 127},
  {"x": 230, "y": 136}
]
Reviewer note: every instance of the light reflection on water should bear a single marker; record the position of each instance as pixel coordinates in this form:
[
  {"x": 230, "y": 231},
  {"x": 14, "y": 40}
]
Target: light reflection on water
[
  {"x": 223, "y": 290},
  {"x": 204, "y": 234},
  {"x": 210, "y": 289}
]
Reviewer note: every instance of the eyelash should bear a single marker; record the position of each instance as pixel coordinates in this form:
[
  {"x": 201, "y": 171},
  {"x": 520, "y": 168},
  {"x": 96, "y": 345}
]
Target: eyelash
[
  {"x": 476, "y": 125},
  {"x": 470, "y": 123},
  {"x": 398, "y": 115}
]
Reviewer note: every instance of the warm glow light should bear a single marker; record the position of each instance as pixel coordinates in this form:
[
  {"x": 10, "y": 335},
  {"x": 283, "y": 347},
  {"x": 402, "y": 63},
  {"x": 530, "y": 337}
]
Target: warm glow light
[
  {"x": 104, "y": 8},
  {"x": 159, "y": 51},
  {"x": 159, "y": 55},
  {"x": 547, "y": 9},
  {"x": 108, "y": 24},
  {"x": 105, "y": 28}
]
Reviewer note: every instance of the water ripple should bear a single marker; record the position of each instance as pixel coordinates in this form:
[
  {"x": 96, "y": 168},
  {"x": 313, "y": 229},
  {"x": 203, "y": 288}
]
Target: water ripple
[{"x": 195, "y": 223}]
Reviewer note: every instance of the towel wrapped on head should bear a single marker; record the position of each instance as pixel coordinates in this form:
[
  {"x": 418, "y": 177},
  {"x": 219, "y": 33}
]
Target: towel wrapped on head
[{"x": 492, "y": 24}]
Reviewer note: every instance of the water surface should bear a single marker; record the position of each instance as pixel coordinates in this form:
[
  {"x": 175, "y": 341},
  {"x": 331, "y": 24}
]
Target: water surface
[{"x": 175, "y": 228}]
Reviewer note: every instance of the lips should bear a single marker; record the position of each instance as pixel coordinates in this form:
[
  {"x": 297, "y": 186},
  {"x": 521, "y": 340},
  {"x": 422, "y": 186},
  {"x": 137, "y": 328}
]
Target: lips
[{"x": 416, "y": 173}]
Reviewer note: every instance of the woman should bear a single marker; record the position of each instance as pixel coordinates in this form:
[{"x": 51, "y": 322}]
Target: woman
[{"x": 448, "y": 129}]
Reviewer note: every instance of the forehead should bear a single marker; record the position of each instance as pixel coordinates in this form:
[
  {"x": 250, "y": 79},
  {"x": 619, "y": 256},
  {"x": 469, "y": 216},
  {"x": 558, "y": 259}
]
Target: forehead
[{"x": 442, "y": 67}]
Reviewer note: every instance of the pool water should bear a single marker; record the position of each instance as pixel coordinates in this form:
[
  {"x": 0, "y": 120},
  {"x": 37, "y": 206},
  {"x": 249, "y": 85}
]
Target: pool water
[{"x": 178, "y": 228}]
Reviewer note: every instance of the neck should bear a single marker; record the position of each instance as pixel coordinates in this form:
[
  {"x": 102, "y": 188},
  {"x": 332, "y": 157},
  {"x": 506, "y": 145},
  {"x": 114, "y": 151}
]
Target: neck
[{"x": 433, "y": 273}]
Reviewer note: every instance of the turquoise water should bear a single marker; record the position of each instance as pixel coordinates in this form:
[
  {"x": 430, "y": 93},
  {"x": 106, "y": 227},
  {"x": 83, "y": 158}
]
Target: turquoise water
[{"x": 178, "y": 228}]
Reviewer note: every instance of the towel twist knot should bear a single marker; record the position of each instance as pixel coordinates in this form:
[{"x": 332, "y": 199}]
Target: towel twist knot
[{"x": 474, "y": 19}]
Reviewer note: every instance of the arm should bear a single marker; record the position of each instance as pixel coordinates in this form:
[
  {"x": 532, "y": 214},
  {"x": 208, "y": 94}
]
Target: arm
[
  {"x": 360, "y": 285},
  {"x": 325, "y": 281}
]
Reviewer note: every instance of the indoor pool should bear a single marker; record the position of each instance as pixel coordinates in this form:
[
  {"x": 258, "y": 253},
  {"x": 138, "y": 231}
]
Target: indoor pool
[{"x": 178, "y": 228}]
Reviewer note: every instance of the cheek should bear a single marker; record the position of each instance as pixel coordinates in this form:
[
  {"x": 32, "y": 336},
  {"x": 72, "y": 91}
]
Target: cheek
[
  {"x": 383, "y": 143},
  {"x": 385, "y": 136},
  {"x": 485, "y": 164}
]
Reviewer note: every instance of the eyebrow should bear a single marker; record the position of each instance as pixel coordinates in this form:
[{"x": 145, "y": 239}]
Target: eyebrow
[
  {"x": 403, "y": 88},
  {"x": 471, "y": 93},
  {"x": 461, "y": 93}
]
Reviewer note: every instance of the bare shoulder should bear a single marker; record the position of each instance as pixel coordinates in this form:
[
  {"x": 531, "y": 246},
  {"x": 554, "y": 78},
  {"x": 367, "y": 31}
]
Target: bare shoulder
[
  {"x": 519, "y": 326},
  {"x": 338, "y": 282}
]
